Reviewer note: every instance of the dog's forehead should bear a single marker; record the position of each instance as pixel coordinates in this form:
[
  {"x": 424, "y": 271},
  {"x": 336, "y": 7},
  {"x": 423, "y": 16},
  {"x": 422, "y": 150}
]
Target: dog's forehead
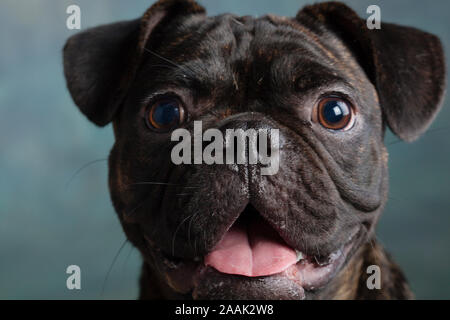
[{"x": 224, "y": 50}]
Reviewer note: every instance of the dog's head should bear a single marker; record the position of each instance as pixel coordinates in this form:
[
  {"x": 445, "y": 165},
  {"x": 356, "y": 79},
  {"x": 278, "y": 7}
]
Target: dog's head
[{"x": 328, "y": 85}]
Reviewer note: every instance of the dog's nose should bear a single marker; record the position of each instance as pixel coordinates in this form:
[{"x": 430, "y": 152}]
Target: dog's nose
[{"x": 251, "y": 138}]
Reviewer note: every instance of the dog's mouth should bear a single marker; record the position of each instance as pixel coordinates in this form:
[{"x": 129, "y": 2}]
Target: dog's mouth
[{"x": 252, "y": 249}]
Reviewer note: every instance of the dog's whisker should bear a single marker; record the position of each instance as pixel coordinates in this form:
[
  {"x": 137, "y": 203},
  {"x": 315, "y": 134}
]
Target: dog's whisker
[
  {"x": 152, "y": 183},
  {"x": 195, "y": 246},
  {"x": 183, "y": 68},
  {"x": 129, "y": 213},
  {"x": 317, "y": 261},
  {"x": 163, "y": 58},
  {"x": 112, "y": 265},
  {"x": 78, "y": 171},
  {"x": 127, "y": 259},
  {"x": 204, "y": 238},
  {"x": 160, "y": 184},
  {"x": 176, "y": 231},
  {"x": 317, "y": 250},
  {"x": 162, "y": 66},
  {"x": 189, "y": 227}
]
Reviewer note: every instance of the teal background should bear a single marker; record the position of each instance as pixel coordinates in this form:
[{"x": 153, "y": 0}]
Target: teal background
[{"x": 47, "y": 224}]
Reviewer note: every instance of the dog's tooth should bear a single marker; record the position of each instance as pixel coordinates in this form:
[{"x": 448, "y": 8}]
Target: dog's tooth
[{"x": 299, "y": 255}]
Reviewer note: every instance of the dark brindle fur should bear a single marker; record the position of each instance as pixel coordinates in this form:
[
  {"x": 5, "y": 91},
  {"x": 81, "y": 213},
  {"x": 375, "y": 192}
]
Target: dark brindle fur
[{"x": 247, "y": 72}]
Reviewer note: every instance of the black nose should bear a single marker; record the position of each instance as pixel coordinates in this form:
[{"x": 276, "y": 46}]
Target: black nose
[{"x": 254, "y": 127}]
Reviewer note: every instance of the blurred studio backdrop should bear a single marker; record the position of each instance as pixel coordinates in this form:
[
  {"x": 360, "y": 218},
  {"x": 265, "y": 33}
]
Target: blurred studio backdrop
[{"x": 47, "y": 224}]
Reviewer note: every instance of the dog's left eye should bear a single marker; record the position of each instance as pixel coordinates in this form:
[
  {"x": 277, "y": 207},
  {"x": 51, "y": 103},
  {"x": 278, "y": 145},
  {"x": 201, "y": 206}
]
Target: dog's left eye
[
  {"x": 335, "y": 113},
  {"x": 165, "y": 114}
]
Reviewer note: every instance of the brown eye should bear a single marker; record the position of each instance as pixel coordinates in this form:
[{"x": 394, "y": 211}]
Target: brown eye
[
  {"x": 165, "y": 114},
  {"x": 335, "y": 113}
]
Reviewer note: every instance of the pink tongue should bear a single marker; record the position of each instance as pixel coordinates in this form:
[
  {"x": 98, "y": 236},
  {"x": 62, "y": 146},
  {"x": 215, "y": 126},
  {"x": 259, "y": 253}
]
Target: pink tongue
[{"x": 252, "y": 250}]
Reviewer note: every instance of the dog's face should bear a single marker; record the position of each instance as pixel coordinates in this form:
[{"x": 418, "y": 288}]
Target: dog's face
[{"x": 329, "y": 88}]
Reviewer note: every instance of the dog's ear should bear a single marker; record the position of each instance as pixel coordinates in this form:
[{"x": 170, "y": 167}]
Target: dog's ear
[
  {"x": 406, "y": 65},
  {"x": 100, "y": 63}
]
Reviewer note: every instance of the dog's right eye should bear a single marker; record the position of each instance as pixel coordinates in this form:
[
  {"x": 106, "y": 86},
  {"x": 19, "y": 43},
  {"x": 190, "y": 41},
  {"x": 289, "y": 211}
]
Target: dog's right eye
[{"x": 165, "y": 114}]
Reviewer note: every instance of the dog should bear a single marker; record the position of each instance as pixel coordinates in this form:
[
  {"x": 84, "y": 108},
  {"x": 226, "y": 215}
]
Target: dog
[{"x": 327, "y": 83}]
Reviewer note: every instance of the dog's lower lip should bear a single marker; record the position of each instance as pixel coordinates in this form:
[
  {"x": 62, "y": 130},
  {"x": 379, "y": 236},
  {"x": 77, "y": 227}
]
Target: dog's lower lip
[{"x": 313, "y": 275}]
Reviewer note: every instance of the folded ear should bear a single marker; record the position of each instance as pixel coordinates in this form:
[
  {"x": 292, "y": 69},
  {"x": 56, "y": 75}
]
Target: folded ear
[
  {"x": 100, "y": 63},
  {"x": 406, "y": 65}
]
